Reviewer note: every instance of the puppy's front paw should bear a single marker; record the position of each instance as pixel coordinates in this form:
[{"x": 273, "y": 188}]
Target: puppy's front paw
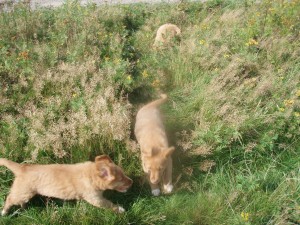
[
  {"x": 118, "y": 209},
  {"x": 168, "y": 188},
  {"x": 3, "y": 213},
  {"x": 121, "y": 209},
  {"x": 156, "y": 192}
]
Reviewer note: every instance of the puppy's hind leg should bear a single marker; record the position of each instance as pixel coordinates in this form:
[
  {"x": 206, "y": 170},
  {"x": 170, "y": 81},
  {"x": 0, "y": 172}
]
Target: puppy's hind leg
[{"x": 19, "y": 195}]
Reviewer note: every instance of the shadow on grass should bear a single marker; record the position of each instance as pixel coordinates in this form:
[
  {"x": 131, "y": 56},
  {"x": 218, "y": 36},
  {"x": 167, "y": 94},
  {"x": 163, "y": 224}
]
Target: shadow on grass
[
  {"x": 39, "y": 203},
  {"x": 139, "y": 189}
]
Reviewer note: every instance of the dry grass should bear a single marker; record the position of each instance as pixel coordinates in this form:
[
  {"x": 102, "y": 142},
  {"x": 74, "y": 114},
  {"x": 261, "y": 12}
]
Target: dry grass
[
  {"x": 72, "y": 104},
  {"x": 75, "y": 113}
]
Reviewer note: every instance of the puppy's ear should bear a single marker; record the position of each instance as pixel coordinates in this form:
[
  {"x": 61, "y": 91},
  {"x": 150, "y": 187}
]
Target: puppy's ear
[
  {"x": 103, "y": 158},
  {"x": 105, "y": 173},
  {"x": 104, "y": 169},
  {"x": 168, "y": 152}
]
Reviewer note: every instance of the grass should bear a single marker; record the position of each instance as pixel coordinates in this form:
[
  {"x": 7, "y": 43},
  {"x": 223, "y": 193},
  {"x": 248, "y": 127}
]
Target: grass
[{"x": 73, "y": 77}]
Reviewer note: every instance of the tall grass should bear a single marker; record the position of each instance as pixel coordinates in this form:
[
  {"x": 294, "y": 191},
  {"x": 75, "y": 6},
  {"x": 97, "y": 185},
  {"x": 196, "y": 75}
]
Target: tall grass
[{"x": 72, "y": 79}]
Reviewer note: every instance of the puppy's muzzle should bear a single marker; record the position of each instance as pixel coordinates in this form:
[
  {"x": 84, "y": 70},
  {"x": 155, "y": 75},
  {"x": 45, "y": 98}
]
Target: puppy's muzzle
[{"x": 126, "y": 186}]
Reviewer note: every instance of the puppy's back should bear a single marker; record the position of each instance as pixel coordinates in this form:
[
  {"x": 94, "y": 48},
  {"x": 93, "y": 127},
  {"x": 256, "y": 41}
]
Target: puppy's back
[
  {"x": 150, "y": 114},
  {"x": 59, "y": 180},
  {"x": 149, "y": 127}
]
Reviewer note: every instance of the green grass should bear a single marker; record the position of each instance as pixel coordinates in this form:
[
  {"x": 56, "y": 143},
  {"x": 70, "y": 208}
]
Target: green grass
[{"x": 72, "y": 79}]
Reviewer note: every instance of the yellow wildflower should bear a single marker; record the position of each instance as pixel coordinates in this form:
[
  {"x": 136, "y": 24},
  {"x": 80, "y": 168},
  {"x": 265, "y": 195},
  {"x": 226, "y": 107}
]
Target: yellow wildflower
[
  {"x": 202, "y": 42},
  {"x": 245, "y": 216},
  {"x": 204, "y": 26},
  {"x": 281, "y": 109},
  {"x": 156, "y": 83},
  {"x": 288, "y": 102},
  {"x": 298, "y": 93},
  {"x": 226, "y": 56},
  {"x": 272, "y": 9},
  {"x": 129, "y": 77},
  {"x": 145, "y": 73},
  {"x": 297, "y": 114},
  {"x": 251, "y": 42},
  {"x": 117, "y": 61}
]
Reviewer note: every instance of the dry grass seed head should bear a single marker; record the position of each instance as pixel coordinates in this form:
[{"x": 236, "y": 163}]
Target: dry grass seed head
[
  {"x": 96, "y": 111},
  {"x": 203, "y": 150},
  {"x": 184, "y": 140},
  {"x": 207, "y": 165}
]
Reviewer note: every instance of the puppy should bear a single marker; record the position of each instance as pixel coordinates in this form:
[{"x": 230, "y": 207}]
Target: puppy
[
  {"x": 85, "y": 181},
  {"x": 165, "y": 33},
  {"x": 155, "y": 151}
]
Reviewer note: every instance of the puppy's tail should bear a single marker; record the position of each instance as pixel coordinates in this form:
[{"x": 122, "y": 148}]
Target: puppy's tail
[
  {"x": 158, "y": 102},
  {"x": 13, "y": 166}
]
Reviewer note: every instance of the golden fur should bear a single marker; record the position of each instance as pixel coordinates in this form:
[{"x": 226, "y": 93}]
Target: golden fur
[
  {"x": 85, "y": 181},
  {"x": 155, "y": 150},
  {"x": 165, "y": 33}
]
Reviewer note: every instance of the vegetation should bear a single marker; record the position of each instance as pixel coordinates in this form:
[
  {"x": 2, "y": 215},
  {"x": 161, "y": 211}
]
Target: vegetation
[{"x": 73, "y": 77}]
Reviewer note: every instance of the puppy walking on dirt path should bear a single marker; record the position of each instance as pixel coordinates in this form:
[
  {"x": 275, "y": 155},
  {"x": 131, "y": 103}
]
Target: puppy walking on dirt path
[
  {"x": 155, "y": 150},
  {"x": 85, "y": 181}
]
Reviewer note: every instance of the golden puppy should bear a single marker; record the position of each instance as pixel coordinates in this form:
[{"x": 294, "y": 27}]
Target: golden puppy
[
  {"x": 85, "y": 181},
  {"x": 165, "y": 33},
  {"x": 155, "y": 151}
]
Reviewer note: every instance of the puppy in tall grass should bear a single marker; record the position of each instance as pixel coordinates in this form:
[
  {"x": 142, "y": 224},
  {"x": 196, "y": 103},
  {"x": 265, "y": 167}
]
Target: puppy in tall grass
[
  {"x": 165, "y": 34},
  {"x": 155, "y": 151},
  {"x": 85, "y": 181}
]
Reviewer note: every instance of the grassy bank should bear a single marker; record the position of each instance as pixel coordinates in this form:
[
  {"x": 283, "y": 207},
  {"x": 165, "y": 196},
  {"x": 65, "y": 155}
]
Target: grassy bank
[{"x": 72, "y": 79}]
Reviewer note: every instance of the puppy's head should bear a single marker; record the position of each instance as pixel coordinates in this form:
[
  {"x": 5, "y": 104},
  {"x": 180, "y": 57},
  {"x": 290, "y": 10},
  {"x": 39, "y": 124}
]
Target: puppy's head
[
  {"x": 110, "y": 176},
  {"x": 156, "y": 163}
]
